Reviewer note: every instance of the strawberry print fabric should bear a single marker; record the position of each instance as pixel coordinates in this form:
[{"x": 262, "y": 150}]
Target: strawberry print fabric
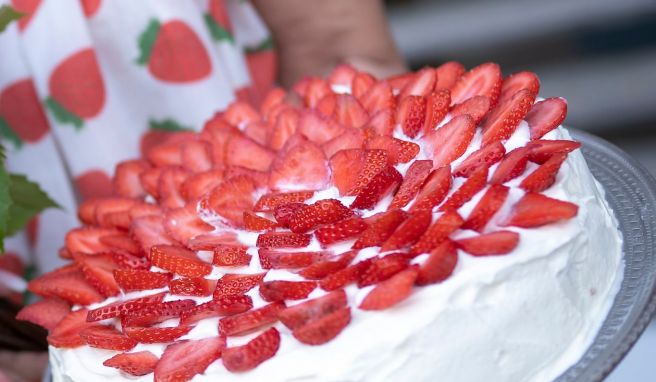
[{"x": 81, "y": 81}]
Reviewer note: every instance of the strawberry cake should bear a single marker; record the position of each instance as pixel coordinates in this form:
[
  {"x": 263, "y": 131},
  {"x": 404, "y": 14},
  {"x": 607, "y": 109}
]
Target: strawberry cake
[{"x": 440, "y": 224}]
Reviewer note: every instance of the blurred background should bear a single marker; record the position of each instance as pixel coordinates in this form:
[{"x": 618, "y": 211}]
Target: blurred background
[{"x": 598, "y": 54}]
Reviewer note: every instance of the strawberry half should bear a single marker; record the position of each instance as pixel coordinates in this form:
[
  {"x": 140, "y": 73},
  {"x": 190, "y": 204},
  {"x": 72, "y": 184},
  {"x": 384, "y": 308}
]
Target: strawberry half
[
  {"x": 97, "y": 270},
  {"x": 409, "y": 231},
  {"x": 106, "y": 337},
  {"x": 122, "y": 308},
  {"x": 46, "y": 312},
  {"x": 448, "y": 74},
  {"x": 437, "y": 107},
  {"x": 183, "y": 224},
  {"x": 476, "y": 107},
  {"x": 208, "y": 242},
  {"x": 272, "y": 259},
  {"x": 439, "y": 265},
  {"x": 422, "y": 83},
  {"x": 475, "y": 183},
  {"x": 411, "y": 115},
  {"x": 299, "y": 315},
  {"x": 67, "y": 332},
  {"x": 178, "y": 260},
  {"x": 349, "y": 139},
  {"x": 545, "y": 116},
  {"x": 485, "y": 209},
  {"x": 231, "y": 199},
  {"x": 378, "y": 97},
  {"x": 545, "y": 175},
  {"x": 318, "y": 128},
  {"x": 321, "y": 269},
  {"x": 541, "y": 151},
  {"x": 450, "y": 141},
  {"x": 280, "y": 290},
  {"x": 125, "y": 260},
  {"x": 156, "y": 335},
  {"x": 381, "y": 185},
  {"x": 236, "y": 284},
  {"x": 434, "y": 190},
  {"x": 398, "y": 150},
  {"x": 137, "y": 279},
  {"x": 502, "y": 121},
  {"x": 196, "y": 156},
  {"x": 87, "y": 239},
  {"x": 249, "y": 356},
  {"x": 438, "y": 232},
  {"x": 192, "y": 286},
  {"x": 511, "y": 166},
  {"x": 224, "y": 306},
  {"x": 340, "y": 231},
  {"x": 382, "y": 122},
  {"x": 137, "y": 363},
  {"x": 302, "y": 166},
  {"x": 126, "y": 178},
  {"x": 414, "y": 179},
  {"x": 535, "y": 210},
  {"x": 231, "y": 256},
  {"x": 342, "y": 75},
  {"x": 313, "y": 215},
  {"x": 485, "y": 156},
  {"x": 324, "y": 329},
  {"x": 381, "y": 229},
  {"x": 484, "y": 79},
  {"x": 361, "y": 84},
  {"x": 282, "y": 240},
  {"x": 391, "y": 291},
  {"x": 488, "y": 244},
  {"x": 149, "y": 231},
  {"x": 349, "y": 112},
  {"x": 253, "y": 222},
  {"x": 519, "y": 81},
  {"x": 269, "y": 202},
  {"x": 183, "y": 360},
  {"x": 250, "y": 321},
  {"x": 382, "y": 268}
]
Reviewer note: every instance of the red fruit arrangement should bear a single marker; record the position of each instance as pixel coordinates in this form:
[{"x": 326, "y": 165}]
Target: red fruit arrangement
[{"x": 387, "y": 150}]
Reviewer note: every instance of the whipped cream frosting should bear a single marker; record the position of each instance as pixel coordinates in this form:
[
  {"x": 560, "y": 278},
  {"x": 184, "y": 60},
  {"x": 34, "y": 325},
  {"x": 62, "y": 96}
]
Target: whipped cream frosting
[{"x": 525, "y": 316}]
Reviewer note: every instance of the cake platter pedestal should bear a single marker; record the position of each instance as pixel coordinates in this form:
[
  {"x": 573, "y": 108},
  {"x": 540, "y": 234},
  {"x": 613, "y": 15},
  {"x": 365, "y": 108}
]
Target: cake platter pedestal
[{"x": 631, "y": 193}]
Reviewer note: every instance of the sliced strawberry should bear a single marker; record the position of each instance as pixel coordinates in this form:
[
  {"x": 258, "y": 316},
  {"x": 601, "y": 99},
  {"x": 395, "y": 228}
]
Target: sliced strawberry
[
  {"x": 86, "y": 212},
  {"x": 192, "y": 286},
  {"x": 511, "y": 166},
  {"x": 67, "y": 332},
  {"x": 183, "y": 223},
  {"x": 126, "y": 178},
  {"x": 321, "y": 269},
  {"x": 398, "y": 150},
  {"x": 274, "y": 97},
  {"x": 475, "y": 183},
  {"x": 144, "y": 209},
  {"x": 409, "y": 231},
  {"x": 484, "y": 79},
  {"x": 349, "y": 112},
  {"x": 236, "y": 284},
  {"x": 485, "y": 156},
  {"x": 414, "y": 179},
  {"x": 183, "y": 360},
  {"x": 381, "y": 229},
  {"x": 258, "y": 132},
  {"x": 165, "y": 154},
  {"x": 535, "y": 210},
  {"x": 272, "y": 259},
  {"x": 346, "y": 276},
  {"x": 67, "y": 283},
  {"x": 381, "y": 185},
  {"x": 155, "y": 313},
  {"x": 224, "y": 306},
  {"x": 231, "y": 199},
  {"x": 196, "y": 156},
  {"x": 137, "y": 279},
  {"x": 154, "y": 335},
  {"x": 286, "y": 124},
  {"x": 374, "y": 162},
  {"x": 299, "y": 315},
  {"x": 325, "y": 328},
  {"x": 439, "y": 265},
  {"x": 422, "y": 83},
  {"x": 149, "y": 180},
  {"x": 121, "y": 242},
  {"x": 450, "y": 141},
  {"x": 519, "y": 81},
  {"x": 541, "y": 151},
  {"x": 489, "y": 204},
  {"x": 382, "y": 268},
  {"x": 122, "y": 308},
  {"x": 342, "y": 75},
  {"x": 46, "y": 312},
  {"x": 241, "y": 113},
  {"x": 345, "y": 167},
  {"x": 361, "y": 84},
  {"x": 438, "y": 232},
  {"x": 250, "y": 321},
  {"x": 253, "y": 222},
  {"x": 340, "y": 231},
  {"x": 97, "y": 270},
  {"x": 391, "y": 291},
  {"x": 149, "y": 231},
  {"x": 303, "y": 166},
  {"x": 210, "y": 241},
  {"x": 126, "y": 260},
  {"x": 476, "y": 107},
  {"x": 231, "y": 256},
  {"x": 259, "y": 349},
  {"x": 437, "y": 107},
  {"x": 313, "y": 215},
  {"x": 137, "y": 363},
  {"x": 434, "y": 190},
  {"x": 269, "y": 202},
  {"x": 378, "y": 97},
  {"x": 349, "y": 139},
  {"x": 327, "y": 105},
  {"x": 106, "y": 337},
  {"x": 280, "y": 290},
  {"x": 282, "y": 240},
  {"x": 244, "y": 152},
  {"x": 64, "y": 253},
  {"x": 504, "y": 119},
  {"x": 169, "y": 187},
  {"x": 545, "y": 116},
  {"x": 493, "y": 243},
  {"x": 283, "y": 213},
  {"x": 317, "y": 88},
  {"x": 448, "y": 74},
  {"x": 411, "y": 115},
  {"x": 178, "y": 260},
  {"x": 318, "y": 128},
  {"x": 87, "y": 239},
  {"x": 545, "y": 175},
  {"x": 398, "y": 81}
]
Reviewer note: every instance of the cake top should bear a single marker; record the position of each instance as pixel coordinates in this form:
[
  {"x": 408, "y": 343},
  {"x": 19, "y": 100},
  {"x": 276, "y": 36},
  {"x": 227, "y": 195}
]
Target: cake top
[{"x": 273, "y": 214}]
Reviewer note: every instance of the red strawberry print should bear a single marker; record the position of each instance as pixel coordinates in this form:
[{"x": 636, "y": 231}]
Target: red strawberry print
[
  {"x": 21, "y": 116},
  {"x": 137, "y": 363},
  {"x": 182, "y": 360},
  {"x": 32, "y": 231},
  {"x": 27, "y": 7},
  {"x": 219, "y": 15},
  {"x": 535, "y": 210},
  {"x": 439, "y": 265},
  {"x": 259, "y": 349},
  {"x": 94, "y": 184},
  {"x": 90, "y": 7},
  {"x": 262, "y": 65}
]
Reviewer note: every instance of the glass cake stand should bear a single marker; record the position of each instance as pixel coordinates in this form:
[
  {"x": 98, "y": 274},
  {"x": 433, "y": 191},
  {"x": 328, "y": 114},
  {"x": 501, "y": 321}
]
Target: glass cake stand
[{"x": 631, "y": 193}]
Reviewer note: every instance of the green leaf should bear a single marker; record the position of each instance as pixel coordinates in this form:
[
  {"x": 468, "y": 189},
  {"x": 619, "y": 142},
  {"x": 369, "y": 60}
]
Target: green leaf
[
  {"x": 218, "y": 32},
  {"x": 2, "y": 154},
  {"x": 146, "y": 41},
  {"x": 27, "y": 200},
  {"x": 5, "y": 205},
  {"x": 266, "y": 44},
  {"x": 167, "y": 125},
  {"x": 7, "y": 133},
  {"x": 7, "y": 15},
  {"x": 62, "y": 115}
]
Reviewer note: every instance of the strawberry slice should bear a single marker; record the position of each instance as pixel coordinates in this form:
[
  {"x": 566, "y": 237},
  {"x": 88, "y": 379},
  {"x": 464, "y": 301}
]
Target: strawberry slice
[
  {"x": 271, "y": 259},
  {"x": 87, "y": 239},
  {"x": 269, "y": 202},
  {"x": 476, "y": 107},
  {"x": 259, "y": 349},
  {"x": 302, "y": 166},
  {"x": 121, "y": 243},
  {"x": 257, "y": 131},
  {"x": 475, "y": 183},
  {"x": 125, "y": 260},
  {"x": 183, "y": 223},
  {"x": 545, "y": 116},
  {"x": 489, "y": 204},
  {"x": 280, "y": 290},
  {"x": 438, "y": 232},
  {"x": 409, "y": 231},
  {"x": 192, "y": 286},
  {"x": 349, "y": 139},
  {"x": 231, "y": 199},
  {"x": 149, "y": 180},
  {"x": 399, "y": 81},
  {"x": 165, "y": 154},
  {"x": 437, "y": 107},
  {"x": 535, "y": 210},
  {"x": 414, "y": 179},
  {"x": 391, "y": 291},
  {"x": 46, "y": 313},
  {"x": 106, "y": 337},
  {"x": 286, "y": 124},
  {"x": 317, "y": 88},
  {"x": 450, "y": 141},
  {"x": 519, "y": 81},
  {"x": 382, "y": 122},
  {"x": 299, "y": 315},
  {"x": 274, "y": 97},
  {"x": 253, "y": 222},
  {"x": 313, "y": 215},
  {"x": 282, "y": 240},
  {"x": 67, "y": 283},
  {"x": 504, "y": 119},
  {"x": 411, "y": 115},
  {"x": 178, "y": 260},
  {"x": 340, "y": 231},
  {"x": 374, "y": 162},
  {"x": 484, "y": 79},
  {"x": 86, "y": 211},
  {"x": 349, "y": 112},
  {"x": 434, "y": 190},
  {"x": 378, "y": 97},
  {"x": 114, "y": 212},
  {"x": 224, "y": 306},
  {"x": 342, "y": 75},
  {"x": 126, "y": 178},
  {"x": 155, "y": 335},
  {"x": 361, "y": 84},
  {"x": 511, "y": 166},
  {"x": 137, "y": 279},
  {"x": 284, "y": 212},
  {"x": 144, "y": 209},
  {"x": 155, "y": 313},
  {"x": 137, "y": 363},
  {"x": 67, "y": 332},
  {"x": 381, "y": 229},
  {"x": 485, "y": 156},
  {"x": 208, "y": 242},
  {"x": 398, "y": 150},
  {"x": 250, "y": 321},
  {"x": 183, "y": 360},
  {"x": 122, "y": 308},
  {"x": 448, "y": 74},
  {"x": 382, "y": 268},
  {"x": 236, "y": 284},
  {"x": 422, "y": 83},
  {"x": 345, "y": 167},
  {"x": 545, "y": 175},
  {"x": 169, "y": 185},
  {"x": 260, "y": 178},
  {"x": 196, "y": 156},
  {"x": 321, "y": 269},
  {"x": 541, "y": 151},
  {"x": 149, "y": 231},
  {"x": 317, "y": 128},
  {"x": 244, "y": 152},
  {"x": 488, "y": 244},
  {"x": 231, "y": 256},
  {"x": 346, "y": 276},
  {"x": 97, "y": 270},
  {"x": 324, "y": 329},
  {"x": 381, "y": 185},
  {"x": 240, "y": 114},
  {"x": 439, "y": 265}
]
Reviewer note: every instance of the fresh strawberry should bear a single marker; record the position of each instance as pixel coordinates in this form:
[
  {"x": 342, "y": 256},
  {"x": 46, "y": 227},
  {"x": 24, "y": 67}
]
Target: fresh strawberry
[
  {"x": 86, "y": 212},
  {"x": 493, "y": 243},
  {"x": 346, "y": 276},
  {"x": 282, "y": 240},
  {"x": 475, "y": 183},
  {"x": 137, "y": 279},
  {"x": 398, "y": 150},
  {"x": 373, "y": 163},
  {"x": 236, "y": 284},
  {"x": 421, "y": 84},
  {"x": 340, "y": 231},
  {"x": 269, "y": 202},
  {"x": 545, "y": 116},
  {"x": 361, "y": 84},
  {"x": 258, "y": 131},
  {"x": 299, "y": 315},
  {"x": 46, "y": 312},
  {"x": 437, "y": 107},
  {"x": 303, "y": 166},
  {"x": 544, "y": 176},
  {"x": 327, "y": 105},
  {"x": 519, "y": 81},
  {"x": 178, "y": 260},
  {"x": 121, "y": 242},
  {"x": 136, "y": 364},
  {"x": 155, "y": 313},
  {"x": 485, "y": 156},
  {"x": 391, "y": 291},
  {"x": 381, "y": 229},
  {"x": 284, "y": 212},
  {"x": 106, "y": 337},
  {"x": 67, "y": 283},
  {"x": 126, "y": 178},
  {"x": 122, "y": 308},
  {"x": 476, "y": 107},
  {"x": 154, "y": 335},
  {"x": 317, "y": 88},
  {"x": 273, "y": 259},
  {"x": 511, "y": 166},
  {"x": 169, "y": 186},
  {"x": 398, "y": 81},
  {"x": 114, "y": 212},
  {"x": 345, "y": 167},
  {"x": 182, "y": 360},
  {"x": 196, "y": 156},
  {"x": 349, "y": 139},
  {"x": 259, "y": 349},
  {"x": 280, "y": 290},
  {"x": 183, "y": 223},
  {"x": 503, "y": 120},
  {"x": 349, "y": 112},
  {"x": 192, "y": 286},
  {"x": 274, "y": 97},
  {"x": 321, "y": 269},
  {"x": 64, "y": 253},
  {"x": 241, "y": 113},
  {"x": 165, "y": 154},
  {"x": 409, "y": 231},
  {"x": 87, "y": 239},
  {"x": 97, "y": 270},
  {"x": 414, "y": 179},
  {"x": 535, "y": 210},
  {"x": 126, "y": 260},
  {"x": 149, "y": 180},
  {"x": 382, "y": 268},
  {"x": 325, "y": 328},
  {"x": 250, "y": 321},
  {"x": 224, "y": 306},
  {"x": 411, "y": 115},
  {"x": 484, "y": 79},
  {"x": 231, "y": 256},
  {"x": 542, "y": 150},
  {"x": 378, "y": 97},
  {"x": 208, "y": 242},
  {"x": 434, "y": 190},
  {"x": 381, "y": 185},
  {"x": 489, "y": 204},
  {"x": 317, "y": 128},
  {"x": 439, "y": 231},
  {"x": 448, "y": 74},
  {"x": 439, "y": 265},
  {"x": 142, "y": 209},
  {"x": 231, "y": 199},
  {"x": 67, "y": 332},
  {"x": 342, "y": 75},
  {"x": 149, "y": 231},
  {"x": 313, "y": 215},
  {"x": 243, "y": 151},
  {"x": 450, "y": 141},
  {"x": 254, "y": 222}
]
